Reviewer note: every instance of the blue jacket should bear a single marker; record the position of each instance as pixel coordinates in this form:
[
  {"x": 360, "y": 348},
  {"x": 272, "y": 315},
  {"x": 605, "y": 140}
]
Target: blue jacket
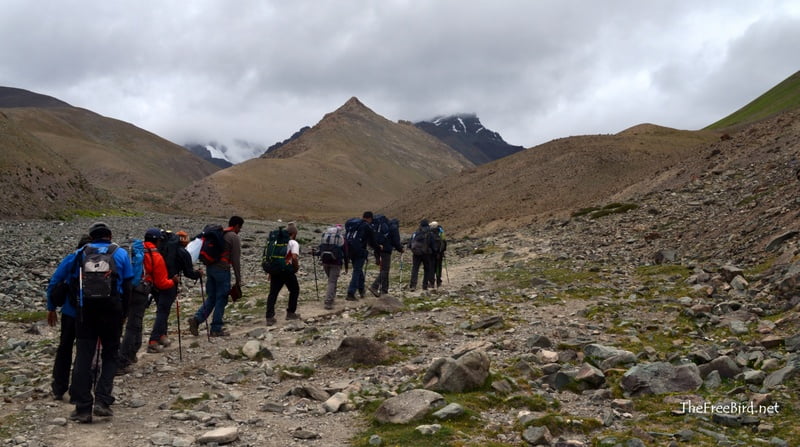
[
  {"x": 65, "y": 272},
  {"x": 68, "y": 271}
]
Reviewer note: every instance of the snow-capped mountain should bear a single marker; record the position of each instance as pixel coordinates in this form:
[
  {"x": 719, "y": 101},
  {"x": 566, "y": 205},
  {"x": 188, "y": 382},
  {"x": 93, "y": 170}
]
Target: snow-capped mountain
[
  {"x": 224, "y": 156},
  {"x": 466, "y": 134}
]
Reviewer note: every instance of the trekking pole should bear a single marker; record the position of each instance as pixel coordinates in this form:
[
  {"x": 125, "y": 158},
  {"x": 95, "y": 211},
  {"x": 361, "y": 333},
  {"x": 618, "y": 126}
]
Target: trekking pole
[
  {"x": 178, "y": 314},
  {"x": 314, "y": 262},
  {"x": 447, "y": 274},
  {"x": 96, "y": 363}
]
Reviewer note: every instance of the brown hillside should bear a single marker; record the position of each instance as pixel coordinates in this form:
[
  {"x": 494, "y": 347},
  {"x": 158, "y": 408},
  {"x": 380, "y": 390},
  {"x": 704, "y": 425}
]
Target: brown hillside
[
  {"x": 553, "y": 179},
  {"x": 135, "y": 167},
  {"x": 36, "y": 181},
  {"x": 352, "y": 160}
]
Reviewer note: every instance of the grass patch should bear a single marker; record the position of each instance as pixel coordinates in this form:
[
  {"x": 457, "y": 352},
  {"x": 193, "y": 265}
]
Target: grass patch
[
  {"x": 559, "y": 424},
  {"x": 25, "y": 316}
]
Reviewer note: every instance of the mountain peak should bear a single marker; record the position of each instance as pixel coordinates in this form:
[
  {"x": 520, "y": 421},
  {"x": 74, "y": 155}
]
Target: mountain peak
[{"x": 465, "y": 133}]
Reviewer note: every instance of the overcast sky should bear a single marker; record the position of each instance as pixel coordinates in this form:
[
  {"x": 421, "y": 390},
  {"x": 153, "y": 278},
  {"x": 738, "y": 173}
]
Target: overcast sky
[{"x": 532, "y": 70}]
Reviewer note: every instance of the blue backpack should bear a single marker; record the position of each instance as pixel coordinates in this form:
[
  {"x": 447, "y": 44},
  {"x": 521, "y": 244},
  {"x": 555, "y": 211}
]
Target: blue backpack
[{"x": 137, "y": 261}]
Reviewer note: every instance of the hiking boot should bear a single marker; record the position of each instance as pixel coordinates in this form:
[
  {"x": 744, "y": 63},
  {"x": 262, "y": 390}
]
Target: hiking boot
[
  {"x": 154, "y": 348},
  {"x": 222, "y": 333},
  {"x": 361, "y": 293},
  {"x": 57, "y": 396},
  {"x": 82, "y": 417},
  {"x": 328, "y": 305},
  {"x": 350, "y": 297},
  {"x": 374, "y": 290},
  {"x": 123, "y": 370},
  {"x": 164, "y": 341},
  {"x": 193, "y": 325},
  {"x": 102, "y": 410},
  {"x": 292, "y": 316},
  {"x": 271, "y": 321}
]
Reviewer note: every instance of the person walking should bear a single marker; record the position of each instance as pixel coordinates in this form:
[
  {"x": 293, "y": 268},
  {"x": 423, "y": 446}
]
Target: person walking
[
  {"x": 177, "y": 261},
  {"x": 421, "y": 245},
  {"x": 61, "y": 283},
  {"x": 439, "y": 249},
  {"x": 285, "y": 277},
  {"x": 359, "y": 236},
  {"x": 332, "y": 252},
  {"x": 164, "y": 287},
  {"x": 218, "y": 281},
  {"x": 105, "y": 276},
  {"x": 388, "y": 234}
]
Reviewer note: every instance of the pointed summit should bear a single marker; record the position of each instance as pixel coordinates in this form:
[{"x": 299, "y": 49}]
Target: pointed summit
[
  {"x": 465, "y": 133},
  {"x": 353, "y": 159}
]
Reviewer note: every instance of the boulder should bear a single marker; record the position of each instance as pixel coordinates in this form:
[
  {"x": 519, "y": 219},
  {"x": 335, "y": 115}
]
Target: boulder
[
  {"x": 660, "y": 378},
  {"x": 223, "y": 435},
  {"x": 466, "y": 373},
  {"x": 725, "y": 365},
  {"x": 409, "y": 406},
  {"x": 359, "y": 351}
]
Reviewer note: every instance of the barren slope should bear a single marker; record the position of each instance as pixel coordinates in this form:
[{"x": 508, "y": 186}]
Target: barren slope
[{"x": 553, "y": 179}]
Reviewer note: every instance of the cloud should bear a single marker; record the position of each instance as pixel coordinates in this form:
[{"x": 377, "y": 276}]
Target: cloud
[{"x": 533, "y": 71}]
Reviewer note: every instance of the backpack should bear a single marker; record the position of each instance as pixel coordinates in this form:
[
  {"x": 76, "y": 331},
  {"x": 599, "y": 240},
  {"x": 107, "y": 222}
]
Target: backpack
[
  {"x": 213, "y": 237},
  {"x": 380, "y": 224},
  {"x": 331, "y": 249},
  {"x": 394, "y": 232},
  {"x": 169, "y": 247},
  {"x": 420, "y": 241},
  {"x": 354, "y": 235},
  {"x": 98, "y": 273},
  {"x": 137, "y": 261},
  {"x": 273, "y": 259}
]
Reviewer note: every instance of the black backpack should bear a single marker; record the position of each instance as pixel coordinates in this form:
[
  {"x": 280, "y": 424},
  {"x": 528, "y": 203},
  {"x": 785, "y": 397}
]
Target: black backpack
[
  {"x": 273, "y": 259},
  {"x": 421, "y": 241},
  {"x": 213, "y": 237},
  {"x": 380, "y": 225},
  {"x": 331, "y": 249},
  {"x": 354, "y": 235},
  {"x": 98, "y": 273},
  {"x": 169, "y": 247}
]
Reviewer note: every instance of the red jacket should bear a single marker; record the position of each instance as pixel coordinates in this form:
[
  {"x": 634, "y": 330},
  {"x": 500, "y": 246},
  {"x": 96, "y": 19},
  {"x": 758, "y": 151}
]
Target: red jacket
[{"x": 155, "y": 269}]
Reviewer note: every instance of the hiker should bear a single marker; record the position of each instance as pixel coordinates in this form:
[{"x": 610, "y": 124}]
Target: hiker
[
  {"x": 164, "y": 287},
  {"x": 218, "y": 280},
  {"x": 286, "y": 276},
  {"x": 61, "y": 283},
  {"x": 177, "y": 261},
  {"x": 439, "y": 247},
  {"x": 387, "y": 233},
  {"x": 421, "y": 245},
  {"x": 105, "y": 275},
  {"x": 359, "y": 236},
  {"x": 332, "y": 252}
]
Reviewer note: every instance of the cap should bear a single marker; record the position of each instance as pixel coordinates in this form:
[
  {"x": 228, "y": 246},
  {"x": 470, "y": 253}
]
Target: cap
[
  {"x": 182, "y": 235},
  {"x": 434, "y": 224},
  {"x": 98, "y": 230},
  {"x": 152, "y": 233},
  {"x": 367, "y": 215},
  {"x": 423, "y": 223}
]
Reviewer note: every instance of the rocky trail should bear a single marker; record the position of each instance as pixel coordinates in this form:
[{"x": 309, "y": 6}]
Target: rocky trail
[{"x": 538, "y": 337}]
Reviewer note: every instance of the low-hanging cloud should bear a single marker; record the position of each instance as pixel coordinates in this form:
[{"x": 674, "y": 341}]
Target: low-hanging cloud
[{"x": 533, "y": 71}]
